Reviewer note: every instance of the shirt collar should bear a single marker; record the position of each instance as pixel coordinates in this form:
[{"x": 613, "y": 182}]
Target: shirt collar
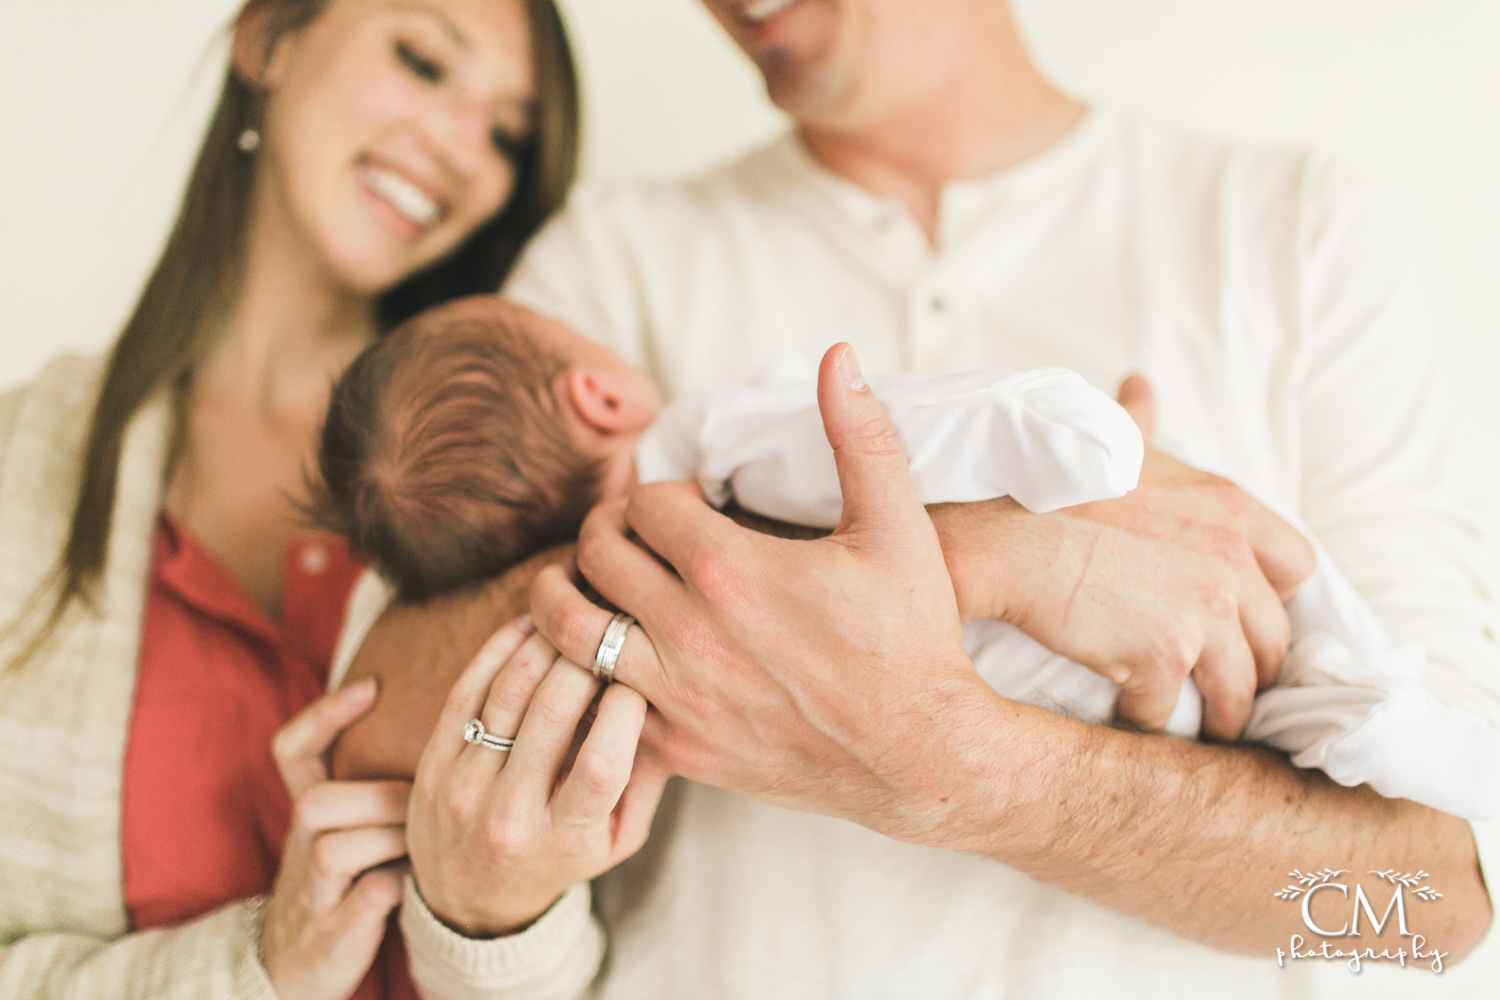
[{"x": 962, "y": 203}]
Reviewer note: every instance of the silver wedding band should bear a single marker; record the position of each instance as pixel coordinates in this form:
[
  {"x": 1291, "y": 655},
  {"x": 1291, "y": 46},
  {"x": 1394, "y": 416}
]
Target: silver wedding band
[
  {"x": 609, "y": 647},
  {"x": 474, "y": 732}
]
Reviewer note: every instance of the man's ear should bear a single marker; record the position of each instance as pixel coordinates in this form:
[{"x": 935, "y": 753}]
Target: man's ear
[
  {"x": 256, "y": 45},
  {"x": 604, "y": 400}
]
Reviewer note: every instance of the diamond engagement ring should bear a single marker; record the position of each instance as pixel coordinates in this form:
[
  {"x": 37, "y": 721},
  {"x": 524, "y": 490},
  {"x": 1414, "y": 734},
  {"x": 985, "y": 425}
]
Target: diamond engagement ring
[
  {"x": 474, "y": 732},
  {"x": 610, "y": 646}
]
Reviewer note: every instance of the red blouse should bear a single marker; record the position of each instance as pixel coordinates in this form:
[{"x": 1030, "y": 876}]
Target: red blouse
[{"x": 204, "y": 812}]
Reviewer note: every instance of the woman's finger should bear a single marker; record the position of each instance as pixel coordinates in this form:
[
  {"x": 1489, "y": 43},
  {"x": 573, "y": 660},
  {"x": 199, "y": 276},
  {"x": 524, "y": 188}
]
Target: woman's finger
[
  {"x": 358, "y": 922},
  {"x": 469, "y": 692},
  {"x": 632, "y": 817},
  {"x": 337, "y": 858},
  {"x": 299, "y": 745},
  {"x": 511, "y": 692},
  {"x": 603, "y": 766},
  {"x": 546, "y": 734},
  {"x": 342, "y": 805}
]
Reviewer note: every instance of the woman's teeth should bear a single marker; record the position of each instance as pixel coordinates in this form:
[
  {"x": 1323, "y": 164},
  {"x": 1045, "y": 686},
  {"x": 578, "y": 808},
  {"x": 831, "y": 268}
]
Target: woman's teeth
[
  {"x": 763, "y": 10},
  {"x": 404, "y": 196}
]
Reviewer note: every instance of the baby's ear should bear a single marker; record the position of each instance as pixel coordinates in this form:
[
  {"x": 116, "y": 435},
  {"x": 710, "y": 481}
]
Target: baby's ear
[{"x": 605, "y": 401}]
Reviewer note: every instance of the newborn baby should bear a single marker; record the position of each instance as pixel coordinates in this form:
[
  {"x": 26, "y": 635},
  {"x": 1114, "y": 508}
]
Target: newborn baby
[{"x": 480, "y": 432}]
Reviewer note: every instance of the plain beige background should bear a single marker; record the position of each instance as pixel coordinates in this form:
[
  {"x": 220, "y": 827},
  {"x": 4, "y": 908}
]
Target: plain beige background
[{"x": 101, "y": 105}]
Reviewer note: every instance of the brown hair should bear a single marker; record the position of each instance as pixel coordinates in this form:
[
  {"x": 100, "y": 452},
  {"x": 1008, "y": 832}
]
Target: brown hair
[
  {"x": 199, "y": 272},
  {"x": 445, "y": 458}
]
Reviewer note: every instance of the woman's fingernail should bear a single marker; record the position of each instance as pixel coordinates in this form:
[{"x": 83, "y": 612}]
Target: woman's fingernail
[
  {"x": 525, "y": 624},
  {"x": 853, "y": 377},
  {"x": 360, "y": 689}
]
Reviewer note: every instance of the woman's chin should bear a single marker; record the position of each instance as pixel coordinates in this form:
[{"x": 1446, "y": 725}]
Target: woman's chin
[{"x": 375, "y": 266}]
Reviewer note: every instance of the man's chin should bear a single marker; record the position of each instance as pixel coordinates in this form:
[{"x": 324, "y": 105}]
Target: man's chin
[{"x": 801, "y": 92}]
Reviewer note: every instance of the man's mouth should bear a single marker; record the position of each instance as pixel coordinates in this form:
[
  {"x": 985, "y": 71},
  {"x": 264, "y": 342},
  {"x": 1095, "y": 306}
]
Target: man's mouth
[
  {"x": 409, "y": 201},
  {"x": 761, "y": 11}
]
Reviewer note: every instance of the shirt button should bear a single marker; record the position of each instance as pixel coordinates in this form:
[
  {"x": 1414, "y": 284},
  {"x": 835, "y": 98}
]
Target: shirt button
[
  {"x": 883, "y": 222},
  {"x": 938, "y": 304},
  {"x": 313, "y": 560}
]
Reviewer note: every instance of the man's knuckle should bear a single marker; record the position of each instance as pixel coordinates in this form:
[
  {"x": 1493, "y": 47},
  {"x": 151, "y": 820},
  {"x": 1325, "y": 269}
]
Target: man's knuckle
[
  {"x": 1221, "y": 605},
  {"x": 1176, "y": 654},
  {"x": 575, "y": 624},
  {"x": 716, "y": 577},
  {"x": 686, "y": 757},
  {"x": 591, "y": 550},
  {"x": 1238, "y": 700},
  {"x": 877, "y": 437}
]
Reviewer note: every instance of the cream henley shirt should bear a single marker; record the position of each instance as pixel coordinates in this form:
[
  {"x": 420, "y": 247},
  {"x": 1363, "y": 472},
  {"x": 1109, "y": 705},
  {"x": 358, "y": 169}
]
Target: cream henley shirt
[{"x": 1265, "y": 297}]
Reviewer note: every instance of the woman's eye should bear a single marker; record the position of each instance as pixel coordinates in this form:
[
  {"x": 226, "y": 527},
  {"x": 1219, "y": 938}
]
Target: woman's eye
[
  {"x": 419, "y": 64},
  {"x": 507, "y": 144}
]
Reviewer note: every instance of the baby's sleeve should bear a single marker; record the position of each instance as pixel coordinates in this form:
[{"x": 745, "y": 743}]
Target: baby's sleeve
[
  {"x": 1045, "y": 437},
  {"x": 672, "y": 448}
]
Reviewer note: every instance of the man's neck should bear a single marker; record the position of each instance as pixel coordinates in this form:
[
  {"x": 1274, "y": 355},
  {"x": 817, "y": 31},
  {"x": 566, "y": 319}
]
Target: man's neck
[{"x": 995, "y": 111}]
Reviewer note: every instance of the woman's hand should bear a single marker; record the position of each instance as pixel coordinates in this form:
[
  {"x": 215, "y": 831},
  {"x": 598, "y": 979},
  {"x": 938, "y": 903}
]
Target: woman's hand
[
  {"x": 496, "y": 837},
  {"x": 325, "y": 919}
]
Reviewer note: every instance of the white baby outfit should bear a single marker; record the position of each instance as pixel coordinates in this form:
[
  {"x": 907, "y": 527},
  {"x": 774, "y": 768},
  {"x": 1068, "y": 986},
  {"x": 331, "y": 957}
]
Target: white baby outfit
[{"x": 1350, "y": 699}]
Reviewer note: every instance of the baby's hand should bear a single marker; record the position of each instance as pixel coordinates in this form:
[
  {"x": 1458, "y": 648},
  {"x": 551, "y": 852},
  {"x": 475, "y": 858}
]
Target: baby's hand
[{"x": 496, "y": 836}]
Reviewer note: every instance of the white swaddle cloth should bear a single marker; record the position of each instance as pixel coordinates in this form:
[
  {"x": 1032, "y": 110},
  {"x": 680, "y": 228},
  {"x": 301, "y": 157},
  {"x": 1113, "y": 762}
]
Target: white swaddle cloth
[{"x": 1350, "y": 699}]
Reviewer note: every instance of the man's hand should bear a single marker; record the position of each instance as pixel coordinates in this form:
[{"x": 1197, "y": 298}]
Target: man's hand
[
  {"x": 1186, "y": 574},
  {"x": 797, "y": 672}
]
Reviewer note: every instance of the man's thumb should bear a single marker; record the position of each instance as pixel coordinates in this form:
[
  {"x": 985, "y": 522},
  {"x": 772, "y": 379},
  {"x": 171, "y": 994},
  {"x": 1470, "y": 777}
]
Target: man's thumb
[
  {"x": 1139, "y": 400},
  {"x": 873, "y": 474}
]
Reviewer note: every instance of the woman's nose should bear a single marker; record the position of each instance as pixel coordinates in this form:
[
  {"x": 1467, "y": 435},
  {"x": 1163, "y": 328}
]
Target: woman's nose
[{"x": 462, "y": 136}]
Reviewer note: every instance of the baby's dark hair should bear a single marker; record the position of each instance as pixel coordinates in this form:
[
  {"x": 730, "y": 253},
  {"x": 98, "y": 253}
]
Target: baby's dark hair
[{"x": 445, "y": 458}]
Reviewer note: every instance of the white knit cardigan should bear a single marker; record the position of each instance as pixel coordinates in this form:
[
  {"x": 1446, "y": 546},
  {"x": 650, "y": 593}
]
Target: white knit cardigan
[{"x": 64, "y": 716}]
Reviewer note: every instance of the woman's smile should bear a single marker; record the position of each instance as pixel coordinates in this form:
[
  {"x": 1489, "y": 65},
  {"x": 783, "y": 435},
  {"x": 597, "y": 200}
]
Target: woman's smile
[{"x": 399, "y": 199}]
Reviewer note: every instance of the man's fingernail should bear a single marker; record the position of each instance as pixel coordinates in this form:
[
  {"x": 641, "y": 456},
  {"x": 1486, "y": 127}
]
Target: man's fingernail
[
  {"x": 525, "y": 625},
  {"x": 852, "y": 375}
]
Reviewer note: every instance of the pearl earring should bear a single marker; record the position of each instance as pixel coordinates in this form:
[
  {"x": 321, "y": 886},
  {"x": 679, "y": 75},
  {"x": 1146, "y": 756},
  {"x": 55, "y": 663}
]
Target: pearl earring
[{"x": 249, "y": 140}]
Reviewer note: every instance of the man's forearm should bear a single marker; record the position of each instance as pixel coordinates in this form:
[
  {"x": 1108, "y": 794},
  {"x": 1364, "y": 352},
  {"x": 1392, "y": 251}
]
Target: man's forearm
[{"x": 1198, "y": 838}]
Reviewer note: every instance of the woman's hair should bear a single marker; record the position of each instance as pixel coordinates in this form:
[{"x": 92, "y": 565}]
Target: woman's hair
[{"x": 199, "y": 274}]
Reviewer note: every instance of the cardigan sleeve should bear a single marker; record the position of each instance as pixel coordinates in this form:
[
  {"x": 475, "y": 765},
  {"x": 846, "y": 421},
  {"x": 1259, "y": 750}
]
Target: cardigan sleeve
[
  {"x": 213, "y": 956},
  {"x": 556, "y": 958}
]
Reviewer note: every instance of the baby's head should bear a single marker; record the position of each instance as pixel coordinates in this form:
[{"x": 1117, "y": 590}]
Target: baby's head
[{"x": 471, "y": 437}]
